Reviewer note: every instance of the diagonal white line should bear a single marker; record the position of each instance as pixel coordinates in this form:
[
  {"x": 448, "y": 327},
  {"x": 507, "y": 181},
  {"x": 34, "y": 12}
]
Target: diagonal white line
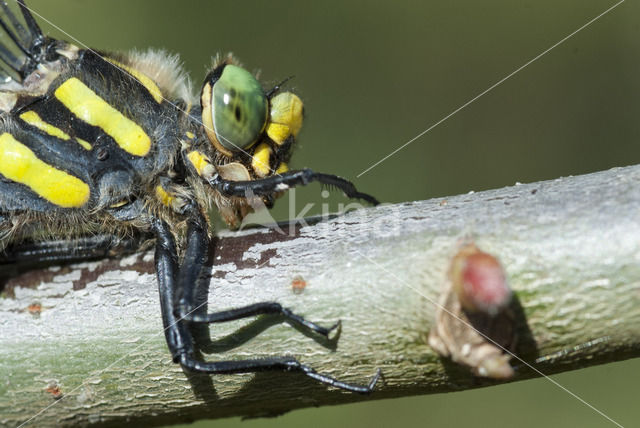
[
  {"x": 532, "y": 60},
  {"x": 401, "y": 281}
]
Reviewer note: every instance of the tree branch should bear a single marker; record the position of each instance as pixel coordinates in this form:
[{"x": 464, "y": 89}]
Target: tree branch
[{"x": 92, "y": 332}]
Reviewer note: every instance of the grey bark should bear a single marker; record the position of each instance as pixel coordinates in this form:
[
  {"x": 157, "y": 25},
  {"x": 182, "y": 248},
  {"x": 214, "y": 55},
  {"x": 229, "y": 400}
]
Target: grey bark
[{"x": 570, "y": 247}]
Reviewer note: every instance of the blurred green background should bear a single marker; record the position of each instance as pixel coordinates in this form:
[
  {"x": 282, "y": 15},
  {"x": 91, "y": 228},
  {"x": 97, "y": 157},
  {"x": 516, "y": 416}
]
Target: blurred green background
[{"x": 375, "y": 74}]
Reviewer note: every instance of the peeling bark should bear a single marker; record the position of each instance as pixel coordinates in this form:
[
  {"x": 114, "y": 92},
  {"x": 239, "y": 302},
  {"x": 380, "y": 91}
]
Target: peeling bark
[{"x": 87, "y": 339}]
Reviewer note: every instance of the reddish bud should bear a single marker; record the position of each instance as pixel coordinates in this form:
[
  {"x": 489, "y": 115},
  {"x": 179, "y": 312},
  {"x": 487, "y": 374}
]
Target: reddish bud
[
  {"x": 34, "y": 308},
  {"x": 479, "y": 281},
  {"x": 298, "y": 284},
  {"x": 54, "y": 390}
]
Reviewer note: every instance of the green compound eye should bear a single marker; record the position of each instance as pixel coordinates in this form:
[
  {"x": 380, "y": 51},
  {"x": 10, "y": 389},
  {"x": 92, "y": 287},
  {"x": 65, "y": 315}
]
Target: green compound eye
[{"x": 239, "y": 108}]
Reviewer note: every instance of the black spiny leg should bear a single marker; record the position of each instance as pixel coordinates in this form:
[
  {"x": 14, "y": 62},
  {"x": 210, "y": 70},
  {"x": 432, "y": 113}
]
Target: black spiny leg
[
  {"x": 177, "y": 295},
  {"x": 277, "y": 183},
  {"x": 194, "y": 259},
  {"x": 262, "y": 308}
]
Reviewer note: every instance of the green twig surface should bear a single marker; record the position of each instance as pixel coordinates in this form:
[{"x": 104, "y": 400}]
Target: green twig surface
[{"x": 83, "y": 344}]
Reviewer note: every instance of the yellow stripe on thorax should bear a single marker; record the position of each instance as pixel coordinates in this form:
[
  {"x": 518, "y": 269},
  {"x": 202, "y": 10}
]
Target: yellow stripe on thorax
[
  {"x": 145, "y": 80},
  {"x": 88, "y": 106},
  {"x": 32, "y": 118},
  {"x": 20, "y": 164},
  {"x": 84, "y": 143}
]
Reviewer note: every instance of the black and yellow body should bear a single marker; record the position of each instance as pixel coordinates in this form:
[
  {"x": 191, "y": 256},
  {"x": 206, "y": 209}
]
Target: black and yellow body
[{"x": 96, "y": 148}]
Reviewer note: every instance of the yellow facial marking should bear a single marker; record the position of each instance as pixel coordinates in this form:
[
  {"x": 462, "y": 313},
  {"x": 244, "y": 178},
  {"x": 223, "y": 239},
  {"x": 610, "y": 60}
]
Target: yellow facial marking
[
  {"x": 89, "y": 107},
  {"x": 190, "y": 135},
  {"x": 145, "y": 80},
  {"x": 165, "y": 198},
  {"x": 20, "y": 164},
  {"x": 32, "y": 118},
  {"x": 201, "y": 163},
  {"x": 285, "y": 117},
  {"x": 282, "y": 168},
  {"x": 260, "y": 161},
  {"x": 278, "y": 132}
]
